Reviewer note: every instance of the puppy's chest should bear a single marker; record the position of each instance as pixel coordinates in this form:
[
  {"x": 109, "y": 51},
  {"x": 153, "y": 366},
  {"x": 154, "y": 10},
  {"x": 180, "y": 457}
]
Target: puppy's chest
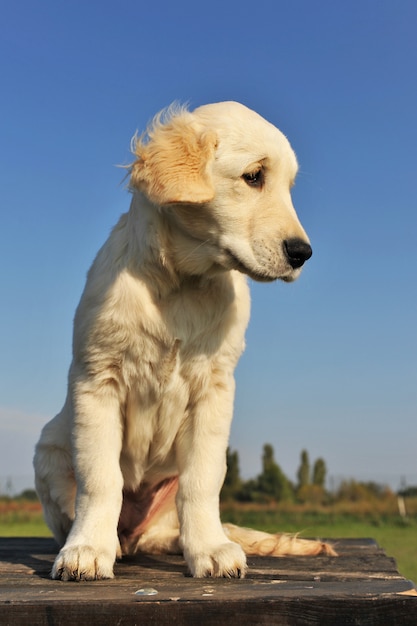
[
  {"x": 194, "y": 338},
  {"x": 182, "y": 359},
  {"x": 161, "y": 401},
  {"x": 191, "y": 352},
  {"x": 177, "y": 341}
]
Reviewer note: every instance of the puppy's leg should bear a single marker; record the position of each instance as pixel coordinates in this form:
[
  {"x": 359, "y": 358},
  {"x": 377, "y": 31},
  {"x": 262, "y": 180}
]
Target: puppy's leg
[
  {"x": 54, "y": 475},
  {"x": 92, "y": 545},
  {"x": 255, "y": 542},
  {"x": 201, "y": 453}
]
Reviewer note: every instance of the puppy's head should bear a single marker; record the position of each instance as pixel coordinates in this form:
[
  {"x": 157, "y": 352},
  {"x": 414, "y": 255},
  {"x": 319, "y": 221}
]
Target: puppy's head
[{"x": 223, "y": 175}]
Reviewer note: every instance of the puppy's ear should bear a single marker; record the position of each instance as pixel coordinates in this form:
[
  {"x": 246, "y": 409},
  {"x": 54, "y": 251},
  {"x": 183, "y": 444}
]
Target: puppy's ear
[{"x": 173, "y": 166}]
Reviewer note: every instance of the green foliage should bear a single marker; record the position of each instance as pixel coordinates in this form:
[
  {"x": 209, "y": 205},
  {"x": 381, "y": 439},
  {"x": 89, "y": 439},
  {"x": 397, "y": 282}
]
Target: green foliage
[
  {"x": 249, "y": 492},
  {"x": 28, "y": 494},
  {"x": 272, "y": 482},
  {"x": 354, "y": 491},
  {"x": 312, "y": 494},
  {"x": 311, "y": 488},
  {"x": 319, "y": 473},
  {"x": 303, "y": 474},
  {"x": 272, "y": 485},
  {"x": 408, "y": 492},
  {"x": 232, "y": 482}
]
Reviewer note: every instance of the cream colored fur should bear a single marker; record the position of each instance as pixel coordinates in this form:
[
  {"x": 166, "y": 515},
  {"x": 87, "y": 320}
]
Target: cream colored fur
[{"x": 157, "y": 335}]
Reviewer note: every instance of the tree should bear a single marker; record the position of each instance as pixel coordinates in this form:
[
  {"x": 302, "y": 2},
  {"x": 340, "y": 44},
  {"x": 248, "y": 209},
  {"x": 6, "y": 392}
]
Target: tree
[
  {"x": 319, "y": 473},
  {"x": 272, "y": 481},
  {"x": 232, "y": 482},
  {"x": 28, "y": 494},
  {"x": 303, "y": 473},
  {"x": 233, "y": 469}
]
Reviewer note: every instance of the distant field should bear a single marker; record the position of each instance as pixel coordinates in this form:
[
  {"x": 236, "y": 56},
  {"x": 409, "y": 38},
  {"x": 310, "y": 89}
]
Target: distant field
[
  {"x": 398, "y": 537},
  {"x": 24, "y": 529},
  {"x": 19, "y": 518}
]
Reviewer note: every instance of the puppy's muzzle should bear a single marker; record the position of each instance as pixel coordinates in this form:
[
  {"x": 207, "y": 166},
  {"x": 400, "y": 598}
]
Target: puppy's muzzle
[{"x": 297, "y": 252}]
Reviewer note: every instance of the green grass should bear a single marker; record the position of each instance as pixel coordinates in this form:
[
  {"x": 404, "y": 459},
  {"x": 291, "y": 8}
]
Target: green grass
[
  {"x": 22, "y": 519},
  {"x": 398, "y": 540},
  {"x": 24, "y": 529},
  {"x": 396, "y": 536}
]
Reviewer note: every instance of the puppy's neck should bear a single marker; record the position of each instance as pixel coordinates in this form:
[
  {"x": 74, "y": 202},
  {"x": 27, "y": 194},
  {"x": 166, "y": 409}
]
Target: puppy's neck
[{"x": 158, "y": 246}]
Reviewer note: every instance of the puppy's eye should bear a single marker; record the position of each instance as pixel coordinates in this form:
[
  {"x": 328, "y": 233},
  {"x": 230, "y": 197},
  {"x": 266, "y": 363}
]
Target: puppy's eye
[{"x": 254, "y": 179}]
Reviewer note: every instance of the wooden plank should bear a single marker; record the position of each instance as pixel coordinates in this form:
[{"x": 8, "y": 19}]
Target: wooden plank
[{"x": 362, "y": 586}]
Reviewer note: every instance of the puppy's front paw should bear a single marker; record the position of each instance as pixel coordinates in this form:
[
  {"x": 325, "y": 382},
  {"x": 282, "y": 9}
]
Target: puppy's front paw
[
  {"x": 83, "y": 563},
  {"x": 226, "y": 560}
]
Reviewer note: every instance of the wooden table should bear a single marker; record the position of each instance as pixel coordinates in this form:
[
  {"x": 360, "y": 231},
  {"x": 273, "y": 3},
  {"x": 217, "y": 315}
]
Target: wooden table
[{"x": 361, "y": 586}]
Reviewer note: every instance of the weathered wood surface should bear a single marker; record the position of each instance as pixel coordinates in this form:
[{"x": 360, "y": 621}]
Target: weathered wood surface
[{"x": 361, "y": 586}]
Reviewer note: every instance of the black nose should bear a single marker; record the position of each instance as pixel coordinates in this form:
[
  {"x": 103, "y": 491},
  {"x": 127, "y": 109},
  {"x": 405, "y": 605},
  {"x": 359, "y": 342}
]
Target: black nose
[{"x": 297, "y": 251}]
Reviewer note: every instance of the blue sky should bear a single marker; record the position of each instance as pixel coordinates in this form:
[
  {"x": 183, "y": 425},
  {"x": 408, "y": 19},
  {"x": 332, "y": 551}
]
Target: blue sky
[{"x": 331, "y": 361}]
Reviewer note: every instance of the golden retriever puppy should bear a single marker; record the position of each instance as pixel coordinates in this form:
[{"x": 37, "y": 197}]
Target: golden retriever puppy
[{"x": 136, "y": 458}]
